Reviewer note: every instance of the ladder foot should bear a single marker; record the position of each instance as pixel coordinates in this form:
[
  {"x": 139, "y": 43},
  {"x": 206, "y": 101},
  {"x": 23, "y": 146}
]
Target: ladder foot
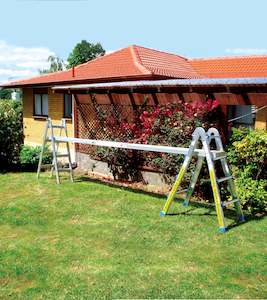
[
  {"x": 162, "y": 213},
  {"x": 185, "y": 203},
  {"x": 222, "y": 229}
]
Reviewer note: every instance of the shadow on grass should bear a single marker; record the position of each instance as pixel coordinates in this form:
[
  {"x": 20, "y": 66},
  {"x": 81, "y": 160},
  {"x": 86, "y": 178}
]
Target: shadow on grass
[
  {"x": 192, "y": 208},
  {"x": 117, "y": 185}
]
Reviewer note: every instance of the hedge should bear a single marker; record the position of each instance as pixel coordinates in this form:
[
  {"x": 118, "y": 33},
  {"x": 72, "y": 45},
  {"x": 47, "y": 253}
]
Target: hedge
[{"x": 11, "y": 134}]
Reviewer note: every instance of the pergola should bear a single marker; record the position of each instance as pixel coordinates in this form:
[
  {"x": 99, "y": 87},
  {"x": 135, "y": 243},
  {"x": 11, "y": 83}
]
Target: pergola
[{"x": 227, "y": 91}]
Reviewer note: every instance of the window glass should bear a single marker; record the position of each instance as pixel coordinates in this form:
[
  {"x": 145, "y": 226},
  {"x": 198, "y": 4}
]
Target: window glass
[
  {"x": 242, "y": 115},
  {"x": 37, "y": 104},
  {"x": 41, "y": 104},
  {"x": 67, "y": 105},
  {"x": 45, "y": 104}
]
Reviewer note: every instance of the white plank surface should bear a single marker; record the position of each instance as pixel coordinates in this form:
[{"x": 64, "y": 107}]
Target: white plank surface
[{"x": 142, "y": 147}]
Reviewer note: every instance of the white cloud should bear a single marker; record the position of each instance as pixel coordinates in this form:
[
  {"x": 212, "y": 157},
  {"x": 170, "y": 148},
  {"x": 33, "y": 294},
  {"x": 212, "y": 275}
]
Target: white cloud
[
  {"x": 33, "y": 64},
  {"x": 18, "y": 62},
  {"x": 246, "y": 51},
  {"x": 16, "y": 73},
  {"x": 109, "y": 51}
]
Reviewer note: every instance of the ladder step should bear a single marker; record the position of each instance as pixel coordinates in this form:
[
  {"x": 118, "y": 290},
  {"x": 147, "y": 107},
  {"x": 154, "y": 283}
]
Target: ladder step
[
  {"x": 229, "y": 202},
  {"x": 224, "y": 179},
  {"x": 46, "y": 166},
  {"x": 56, "y": 141},
  {"x": 64, "y": 170},
  {"x": 219, "y": 157},
  {"x": 57, "y": 126},
  {"x": 181, "y": 191},
  {"x": 62, "y": 155}
]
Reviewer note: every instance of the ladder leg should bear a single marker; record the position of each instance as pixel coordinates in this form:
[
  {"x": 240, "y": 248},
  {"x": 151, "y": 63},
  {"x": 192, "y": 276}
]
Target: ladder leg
[
  {"x": 68, "y": 151},
  {"x": 54, "y": 154},
  {"x": 215, "y": 188},
  {"x": 57, "y": 146},
  {"x": 217, "y": 199},
  {"x": 232, "y": 190},
  {"x": 214, "y": 133},
  {"x": 174, "y": 188},
  {"x": 193, "y": 181},
  {"x": 181, "y": 174},
  {"x": 42, "y": 150}
]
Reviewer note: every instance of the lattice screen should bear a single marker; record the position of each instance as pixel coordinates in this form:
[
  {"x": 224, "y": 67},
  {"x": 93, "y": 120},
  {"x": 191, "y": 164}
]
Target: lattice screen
[{"x": 105, "y": 122}]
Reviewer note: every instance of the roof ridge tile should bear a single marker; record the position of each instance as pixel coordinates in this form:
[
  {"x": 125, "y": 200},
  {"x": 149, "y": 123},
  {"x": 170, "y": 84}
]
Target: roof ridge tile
[{"x": 137, "y": 60}]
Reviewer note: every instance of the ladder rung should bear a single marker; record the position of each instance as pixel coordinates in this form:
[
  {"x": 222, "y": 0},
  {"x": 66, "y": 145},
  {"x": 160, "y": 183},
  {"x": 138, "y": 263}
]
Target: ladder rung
[
  {"x": 219, "y": 157},
  {"x": 46, "y": 166},
  {"x": 56, "y": 141},
  {"x": 62, "y": 155},
  {"x": 181, "y": 191},
  {"x": 63, "y": 170},
  {"x": 224, "y": 179},
  {"x": 229, "y": 202},
  {"x": 57, "y": 126}
]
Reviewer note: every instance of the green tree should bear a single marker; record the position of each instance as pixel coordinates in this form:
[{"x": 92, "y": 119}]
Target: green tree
[
  {"x": 83, "y": 52},
  {"x": 5, "y": 93},
  {"x": 56, "y": 64}
]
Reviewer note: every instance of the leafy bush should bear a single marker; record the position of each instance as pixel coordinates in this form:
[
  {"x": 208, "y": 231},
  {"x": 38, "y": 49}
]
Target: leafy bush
[
  {"x": 121, "y": 162},
  {"x": 29, "y": 157},
  {"x": 252, "y": 193},
  {"x": 169, "y": 125},
  {"x": 11, "y": 133},
  {"x": 248, "y": 156}
]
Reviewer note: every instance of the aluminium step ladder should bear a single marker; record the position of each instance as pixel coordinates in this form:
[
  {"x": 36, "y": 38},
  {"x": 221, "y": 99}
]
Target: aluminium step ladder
[
  {"x": 206, "y": 138},
  {"x": 50, "y": 138}
]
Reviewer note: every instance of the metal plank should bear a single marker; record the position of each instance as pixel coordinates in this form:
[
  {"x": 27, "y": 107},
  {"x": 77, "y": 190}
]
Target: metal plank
[{"x": 142, "y": 147}]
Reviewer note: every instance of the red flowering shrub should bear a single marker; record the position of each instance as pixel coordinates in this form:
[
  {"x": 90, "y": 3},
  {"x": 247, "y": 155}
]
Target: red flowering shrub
[{"x": 170, "y": 125}]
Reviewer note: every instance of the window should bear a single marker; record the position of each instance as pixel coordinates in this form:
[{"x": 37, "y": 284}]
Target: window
[
  {"x": 242, "y": 114},
  {"x": 67, "y": 106},
  {"x": 41, "y": 105}
]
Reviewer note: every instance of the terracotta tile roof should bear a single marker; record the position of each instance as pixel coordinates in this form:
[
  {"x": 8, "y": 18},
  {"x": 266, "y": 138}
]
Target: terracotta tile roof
[
  {"x": 137, "y": 63},
  {"x": 231, "y": 67},
  {"x": 133, "y": 62}
]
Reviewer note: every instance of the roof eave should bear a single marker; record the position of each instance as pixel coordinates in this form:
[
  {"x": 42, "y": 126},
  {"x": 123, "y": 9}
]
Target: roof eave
[{"x": 84, "y": 81}]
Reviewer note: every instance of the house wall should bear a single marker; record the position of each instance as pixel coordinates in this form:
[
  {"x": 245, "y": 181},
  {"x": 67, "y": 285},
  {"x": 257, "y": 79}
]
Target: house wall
[
  {"x": 261, "y": 119},
  {"x": 34, "y": 126}
]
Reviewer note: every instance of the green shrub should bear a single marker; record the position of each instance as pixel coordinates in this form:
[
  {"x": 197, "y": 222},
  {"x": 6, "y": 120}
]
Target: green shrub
[
  {"x": 29, "y": 157},
  {"x": 11, "y": 133},
  {"x": 169, "y": 125},
  {"x": 248, "y": 153},
  {"x": 248, "y": 157},
  {"x": 122, "y": 163},
  {"x": 252, "y": 193}
]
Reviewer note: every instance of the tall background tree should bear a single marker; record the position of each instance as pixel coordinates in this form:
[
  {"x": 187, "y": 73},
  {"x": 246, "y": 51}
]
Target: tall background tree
[
  {"x": 56, "y": 64},
  {"x": 6, "y": 93},
  {"x": 83, "y": 52}
]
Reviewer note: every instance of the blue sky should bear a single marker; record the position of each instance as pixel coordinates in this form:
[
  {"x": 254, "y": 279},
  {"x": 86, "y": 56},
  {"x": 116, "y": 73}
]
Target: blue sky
[{"x": 31, "y": 30}]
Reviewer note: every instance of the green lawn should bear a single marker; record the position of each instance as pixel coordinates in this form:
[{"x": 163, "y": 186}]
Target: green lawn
[{"x": 88, "y": 240}]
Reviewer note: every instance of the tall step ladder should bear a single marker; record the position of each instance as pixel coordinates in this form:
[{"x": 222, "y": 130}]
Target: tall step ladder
[
  {"x": 49, "y": 138},
  {"x": 219, "y": 154}
]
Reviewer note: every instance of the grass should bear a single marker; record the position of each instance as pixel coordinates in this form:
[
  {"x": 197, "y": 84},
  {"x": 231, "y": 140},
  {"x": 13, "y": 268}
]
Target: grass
[{"x": 88, "y": 240}]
